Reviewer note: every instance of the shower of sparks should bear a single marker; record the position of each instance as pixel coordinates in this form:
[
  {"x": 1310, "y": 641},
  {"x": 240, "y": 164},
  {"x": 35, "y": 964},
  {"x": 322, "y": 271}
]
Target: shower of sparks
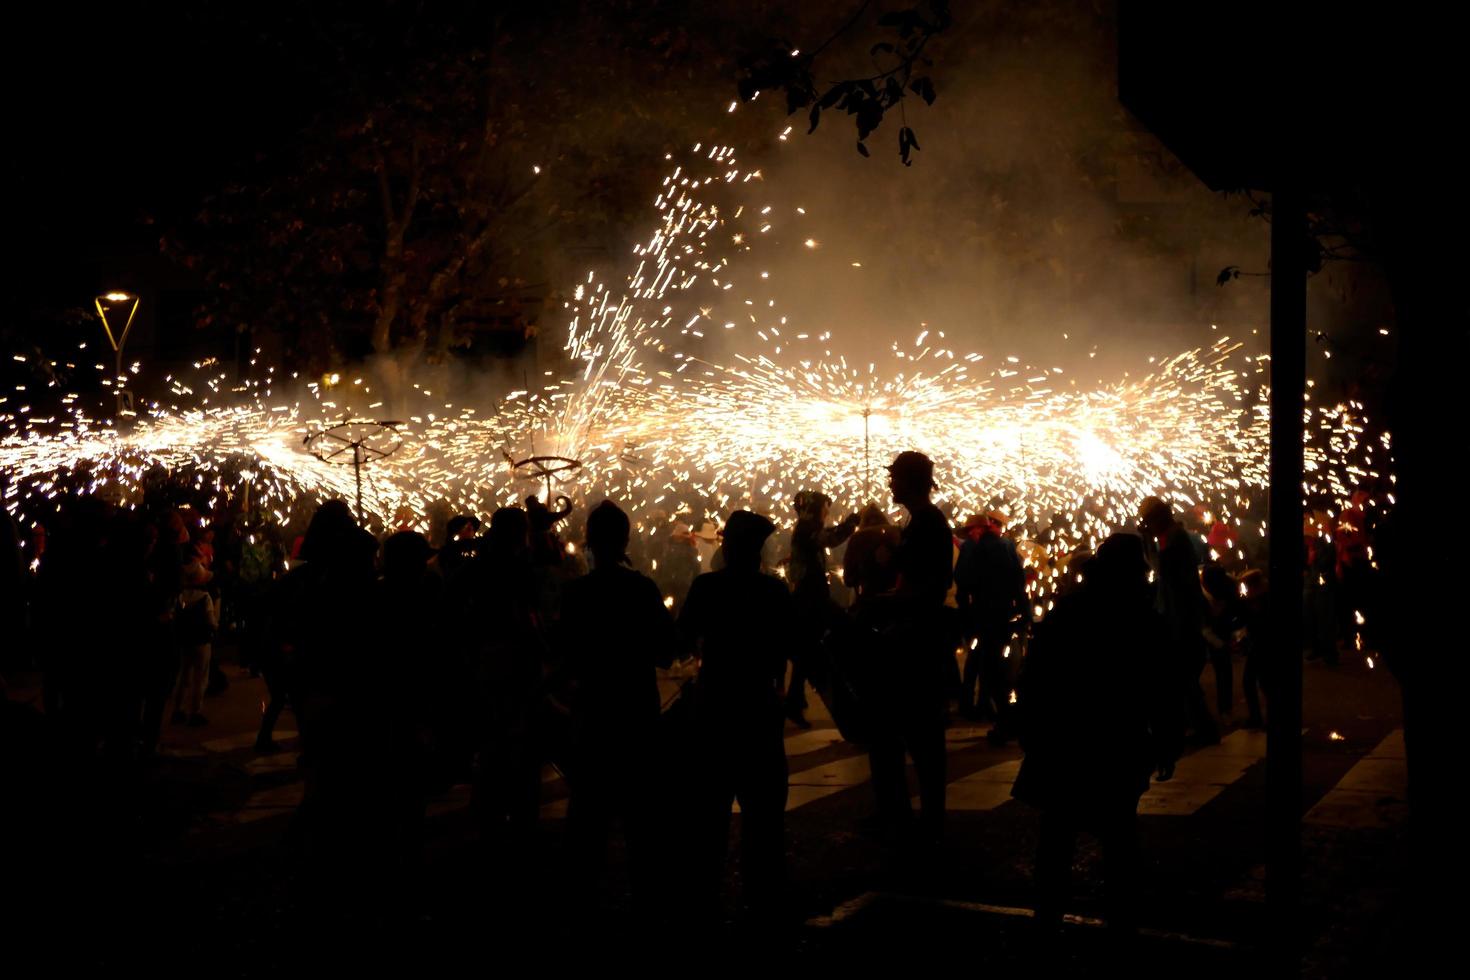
[{"x": 664, "y": 419}]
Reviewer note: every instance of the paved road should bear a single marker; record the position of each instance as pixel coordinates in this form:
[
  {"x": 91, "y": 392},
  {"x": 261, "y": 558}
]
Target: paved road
[{"x": 1202, "y": 831}]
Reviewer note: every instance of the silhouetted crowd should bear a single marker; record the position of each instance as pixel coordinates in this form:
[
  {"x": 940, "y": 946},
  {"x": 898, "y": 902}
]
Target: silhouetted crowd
[{"x": 503, "y": 649}]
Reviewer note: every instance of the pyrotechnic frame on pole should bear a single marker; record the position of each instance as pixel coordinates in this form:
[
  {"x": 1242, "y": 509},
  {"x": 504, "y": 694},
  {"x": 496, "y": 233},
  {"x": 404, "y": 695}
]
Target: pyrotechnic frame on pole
[
  {"x": 546, "y": 468},
  {"x": 368, "y": 441}
]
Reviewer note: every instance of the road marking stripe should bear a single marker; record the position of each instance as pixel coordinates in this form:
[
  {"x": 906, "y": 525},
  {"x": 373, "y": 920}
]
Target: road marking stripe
[
  {"x": 851, "y": 908},
  {"x": 1204, "y": 775},
  {"x": 1373, "y": 793}
]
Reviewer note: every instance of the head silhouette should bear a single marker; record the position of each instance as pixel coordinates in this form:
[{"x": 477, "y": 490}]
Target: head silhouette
[
  {"x": 406, "y": 555},
  {"x": 608, "y": 530},
  {"x": 745, "y": 533},
  {"x": 911, "y": 477},
  {"x": 1119, "y": 565},
  {"x": 1155, "y": 515},
  {"x": 329, "y": 535},
  {"x": 510, "y": 532}
]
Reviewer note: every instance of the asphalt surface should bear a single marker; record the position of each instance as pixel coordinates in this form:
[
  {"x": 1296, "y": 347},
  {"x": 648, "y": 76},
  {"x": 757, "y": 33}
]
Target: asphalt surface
[{"x": 189, "y": 863}]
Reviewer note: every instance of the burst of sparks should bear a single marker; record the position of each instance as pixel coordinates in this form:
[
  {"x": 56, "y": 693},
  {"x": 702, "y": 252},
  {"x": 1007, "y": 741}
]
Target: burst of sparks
[{"x": 662, "y": 420}]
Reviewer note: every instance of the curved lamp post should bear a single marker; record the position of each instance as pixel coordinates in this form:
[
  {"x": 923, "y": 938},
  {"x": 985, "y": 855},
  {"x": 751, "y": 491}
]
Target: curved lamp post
[{"x": 117, "y": 339}]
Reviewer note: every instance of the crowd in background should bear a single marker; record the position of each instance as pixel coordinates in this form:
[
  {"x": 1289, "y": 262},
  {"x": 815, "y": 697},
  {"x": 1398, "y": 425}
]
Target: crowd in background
[{"x": 485, "y": 651}]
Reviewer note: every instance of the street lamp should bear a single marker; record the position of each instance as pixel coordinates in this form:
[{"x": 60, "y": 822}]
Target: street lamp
[{"x": 124, "y": 397}]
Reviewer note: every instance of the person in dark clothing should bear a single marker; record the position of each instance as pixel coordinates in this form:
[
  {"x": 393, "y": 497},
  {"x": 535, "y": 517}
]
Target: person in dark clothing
[
  {"x": 815, "y": 611},
  {"x": 730, "y": 618},
  {"x": 910, "y": 698},
  {"x": 144, "y": 572},
  {"x": 417, "y": 680},
  {"x": 328, "y": 634},
  {"x": 1253, "y": 678},
  {"x": 1222, "y": 615},
  {"x": 990, "y": 589},
  {"x": 1181, "y": 601},
  {"x": 1320, "y": 593},
  {"x": 14, "y": 589},
  {"x": 868, "y": 564},
  {"x": 459, "y": 544},
  {"x": 1099, "y": 711},
  {"x": 493, "y": 601},
  {"x": 615, "y": 630}
]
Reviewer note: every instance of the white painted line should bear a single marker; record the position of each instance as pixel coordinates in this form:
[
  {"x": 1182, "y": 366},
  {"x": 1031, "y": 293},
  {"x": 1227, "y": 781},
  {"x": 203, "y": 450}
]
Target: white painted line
[
  {"x": 1204, "y": 775},
  {"x": 1373, "y": 793},
  {"x": 244, "y": 740},
  {"x": 851, "y": 908},
  {"x": 821, "y": 781},
  {"x": 813, "y": 741},
  {"x": 982, "y": 790}
]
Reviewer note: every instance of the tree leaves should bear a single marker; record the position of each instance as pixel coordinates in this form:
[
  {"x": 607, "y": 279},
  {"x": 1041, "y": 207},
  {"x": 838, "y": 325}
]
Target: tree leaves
[
  {"x": 907, "y": 143},
  {"x": 869, "y": 99}
]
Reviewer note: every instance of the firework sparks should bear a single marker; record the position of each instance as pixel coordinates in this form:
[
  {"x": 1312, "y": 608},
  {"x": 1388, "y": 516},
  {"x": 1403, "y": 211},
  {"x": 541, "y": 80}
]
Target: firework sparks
[{"x": 659, "y": 420}]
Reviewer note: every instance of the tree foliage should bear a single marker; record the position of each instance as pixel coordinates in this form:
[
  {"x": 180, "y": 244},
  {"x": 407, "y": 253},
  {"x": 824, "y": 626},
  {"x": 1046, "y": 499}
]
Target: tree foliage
[
  {"x": 414, "y": 210},
  {"x": 900, "y": 70}
]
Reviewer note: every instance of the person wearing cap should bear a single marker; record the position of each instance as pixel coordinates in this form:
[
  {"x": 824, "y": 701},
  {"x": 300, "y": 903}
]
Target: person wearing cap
[
  {"x": 615, "y": 632},
  {"x": 815, "y": 610},
  {"x": 739, "y": 622},
  {"x": 909, "y": 708},
  {"x": 1099, "y": 714},
  {"x": 990, "y": 589}
]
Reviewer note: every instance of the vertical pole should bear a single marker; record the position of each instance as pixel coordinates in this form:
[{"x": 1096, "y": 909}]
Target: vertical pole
[
  {"x": 867, "y": 460},
  {"x": 1283, "y": 739},
  {"x": 117, "y": 379},
  {"x": 357, "y": 475}
]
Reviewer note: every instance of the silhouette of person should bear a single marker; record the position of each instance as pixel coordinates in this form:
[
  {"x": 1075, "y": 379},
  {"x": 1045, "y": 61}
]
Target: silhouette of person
[
  {"x": 1181, "y": 600},
  {"x": 1100, "y": 710},
  {"x": 990, "y": 590},
  {"x": 680, "y": 563},
  {"x": 195, "y": 624},
  {"x": 815, "y": 610},
  {"x": 910, "y": 701},
  {"x": 327, "y": 630},
  {"x": 615, "y": 630},
  {"x": 1222, "y": 602},
  {"x": 494, "y": 607},
  {"x": 731, "y": 617},
  {"x": 1253, "y": 680},
  {"x": 270, "y": 646},
  {"x": 14, "y": 612},
  {"x": 417, "y": 679},
  {"x": 459, "y": 544},
  {"x": 147, "y": 591},
  {"x": 868, "y": 564}
]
